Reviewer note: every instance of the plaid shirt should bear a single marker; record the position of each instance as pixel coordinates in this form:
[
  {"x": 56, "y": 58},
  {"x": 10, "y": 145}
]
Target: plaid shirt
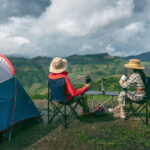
[{"x": 135, "y": 81}]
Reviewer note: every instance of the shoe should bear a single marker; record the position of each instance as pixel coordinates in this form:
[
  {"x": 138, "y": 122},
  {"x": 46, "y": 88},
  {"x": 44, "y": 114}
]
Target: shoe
[
  {"x": 114, "y": 110},
  {"x": 116, "y": 115},
  {"x": 86, "y": 114},
  {"x": 122, "y": 114}
]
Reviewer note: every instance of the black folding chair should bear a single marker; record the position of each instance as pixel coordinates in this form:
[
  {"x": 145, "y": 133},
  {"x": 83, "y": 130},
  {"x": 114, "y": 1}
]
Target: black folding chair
[
  {"x": 138, "y": 108},
  {"x": 58, "y": 104}
]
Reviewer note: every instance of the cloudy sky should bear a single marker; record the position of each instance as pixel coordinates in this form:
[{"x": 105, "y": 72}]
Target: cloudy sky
[{"x": 32, "y": 28}]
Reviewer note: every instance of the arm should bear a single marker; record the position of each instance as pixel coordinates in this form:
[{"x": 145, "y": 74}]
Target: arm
[
  {"x": 72, "y": 91},
  {"x": 129, "y": 82}
]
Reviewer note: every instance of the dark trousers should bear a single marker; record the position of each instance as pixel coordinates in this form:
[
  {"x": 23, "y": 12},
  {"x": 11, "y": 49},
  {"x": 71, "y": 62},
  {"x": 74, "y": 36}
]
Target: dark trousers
[{"x": 82, "y": 99}]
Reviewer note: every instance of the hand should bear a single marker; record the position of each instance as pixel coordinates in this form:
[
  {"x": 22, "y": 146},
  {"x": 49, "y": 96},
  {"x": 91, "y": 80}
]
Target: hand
[
  {"x": 121, "y": 81},
  {"x": 129, "y": 75},
  {"x": 88, "y": 85}
]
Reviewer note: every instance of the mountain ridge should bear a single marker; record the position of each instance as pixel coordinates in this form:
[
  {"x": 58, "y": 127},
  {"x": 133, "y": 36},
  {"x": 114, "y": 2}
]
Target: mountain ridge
[
  {"x": 143, "y": 56},
  {"x": 34, "y": 71}
]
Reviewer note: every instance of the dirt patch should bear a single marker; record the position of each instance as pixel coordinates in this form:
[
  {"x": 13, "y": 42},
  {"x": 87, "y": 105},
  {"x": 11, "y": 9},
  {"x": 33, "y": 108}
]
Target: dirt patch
[
  {"x": 35, "y": 85},
  {"x": 40, "y": 103}
]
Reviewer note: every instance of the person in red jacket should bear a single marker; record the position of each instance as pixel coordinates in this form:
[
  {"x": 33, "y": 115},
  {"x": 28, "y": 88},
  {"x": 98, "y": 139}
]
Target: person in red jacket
[{"x": 57, "y": 70}]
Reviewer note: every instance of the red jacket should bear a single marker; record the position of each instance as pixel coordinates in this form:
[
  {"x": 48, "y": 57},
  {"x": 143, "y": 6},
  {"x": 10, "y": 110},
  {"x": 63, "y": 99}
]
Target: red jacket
[{"x": 70, "y": 90}]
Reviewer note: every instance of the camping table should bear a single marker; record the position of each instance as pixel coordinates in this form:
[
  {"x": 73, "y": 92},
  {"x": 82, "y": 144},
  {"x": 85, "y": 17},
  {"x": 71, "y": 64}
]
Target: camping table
[{"x": 107, "y": 93}]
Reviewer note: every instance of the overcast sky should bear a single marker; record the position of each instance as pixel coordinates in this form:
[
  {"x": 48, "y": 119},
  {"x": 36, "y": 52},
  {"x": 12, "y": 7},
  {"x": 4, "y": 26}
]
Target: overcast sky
[{"x": 64, "y": 27}]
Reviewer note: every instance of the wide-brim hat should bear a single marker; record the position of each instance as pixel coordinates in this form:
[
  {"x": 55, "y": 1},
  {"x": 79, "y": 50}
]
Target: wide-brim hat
[
  {"x": 134, "y": 64},
  {"x": 58, "y": 65}
]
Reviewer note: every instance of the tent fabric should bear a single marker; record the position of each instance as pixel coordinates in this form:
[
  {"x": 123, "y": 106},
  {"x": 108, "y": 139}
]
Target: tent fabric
[
  {"x": 6, "y": 69},
  {"x": 25, "y": 107},
  {"x": 7, "y": 64},
  {"x": 14, "y": 106},
  {"x": 7, "y": 92}
]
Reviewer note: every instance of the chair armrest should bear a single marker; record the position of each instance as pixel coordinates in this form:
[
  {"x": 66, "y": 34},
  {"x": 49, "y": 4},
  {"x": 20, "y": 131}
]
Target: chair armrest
[{"x": 126, "y": 91}]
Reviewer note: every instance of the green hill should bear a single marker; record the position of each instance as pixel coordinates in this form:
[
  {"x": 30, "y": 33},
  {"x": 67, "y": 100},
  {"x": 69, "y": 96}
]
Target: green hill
[
  {"x": 97, "y": 66},
  {"x": 33, "y": 72}
]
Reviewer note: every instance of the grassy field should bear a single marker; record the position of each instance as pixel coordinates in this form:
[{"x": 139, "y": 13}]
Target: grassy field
[{"x": 94, "y": 133}]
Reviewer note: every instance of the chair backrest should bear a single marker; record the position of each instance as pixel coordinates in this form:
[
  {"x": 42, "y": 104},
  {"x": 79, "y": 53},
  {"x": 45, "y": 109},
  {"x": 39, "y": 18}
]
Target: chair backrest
[
  {"x": 57, "y": 89},
  {"x": 148, "y": 87}
]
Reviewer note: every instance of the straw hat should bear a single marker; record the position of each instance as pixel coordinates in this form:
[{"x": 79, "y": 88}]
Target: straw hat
[
  {"x": 58, "y": 65},
  {"x": 134, "y": 64}
]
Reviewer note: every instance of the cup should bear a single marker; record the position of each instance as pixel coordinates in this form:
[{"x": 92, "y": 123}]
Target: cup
[
  {"x": 88, "y": 79},
  {"x": 124, "y": 77}
]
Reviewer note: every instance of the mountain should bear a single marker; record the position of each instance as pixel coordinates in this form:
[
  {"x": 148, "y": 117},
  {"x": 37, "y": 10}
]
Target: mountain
[
  {"x": 33, "y": 72},
  {"x": 96, "y": 65},
  {"x": 142, "y": 57}
]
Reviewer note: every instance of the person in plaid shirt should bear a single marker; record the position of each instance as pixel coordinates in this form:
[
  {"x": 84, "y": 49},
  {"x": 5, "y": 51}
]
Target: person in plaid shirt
[{"x": 136, "y": 80}]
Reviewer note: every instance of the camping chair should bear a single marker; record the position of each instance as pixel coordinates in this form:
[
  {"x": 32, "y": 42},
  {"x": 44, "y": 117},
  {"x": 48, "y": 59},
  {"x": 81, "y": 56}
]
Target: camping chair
[
  {"x": 137, "y": 107},
  {"x": 58, "y": 102}
]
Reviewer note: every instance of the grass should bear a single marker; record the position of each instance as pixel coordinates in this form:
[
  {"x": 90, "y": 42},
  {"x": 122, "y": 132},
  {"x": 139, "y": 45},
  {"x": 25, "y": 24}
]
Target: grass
[
  {"x": 97, "y": 133},
  {"x": 26, "y": 137},
  {"x": 94, "y": 133}
]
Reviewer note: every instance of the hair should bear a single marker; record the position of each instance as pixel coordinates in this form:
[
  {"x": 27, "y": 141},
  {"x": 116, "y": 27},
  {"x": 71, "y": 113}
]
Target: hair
[{"x": 142, "y": 74}]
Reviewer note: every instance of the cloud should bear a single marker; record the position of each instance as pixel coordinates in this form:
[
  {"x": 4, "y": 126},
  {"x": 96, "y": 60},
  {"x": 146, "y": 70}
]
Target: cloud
[
  {"x": 21, "y": 40},
  {"x": 21, "y": 8},
  {"x": 100, "y": 43},
  {"x": 86, "y": 47},
  {"x": 129, "y": 31},
  {"x": 13, "y": 35},
  {"x": 62, "y": 28},
  {"x": 9, "y": 44},
  {"x": 110, "y": 49},
  {"x": 139, "y": 5},
  {"x": 79, "y": 18}
]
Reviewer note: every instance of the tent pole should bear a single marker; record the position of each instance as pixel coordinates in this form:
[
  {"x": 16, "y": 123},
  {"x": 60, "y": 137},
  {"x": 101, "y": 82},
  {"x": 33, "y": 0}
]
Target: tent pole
[{"x": 14, "y": 108}]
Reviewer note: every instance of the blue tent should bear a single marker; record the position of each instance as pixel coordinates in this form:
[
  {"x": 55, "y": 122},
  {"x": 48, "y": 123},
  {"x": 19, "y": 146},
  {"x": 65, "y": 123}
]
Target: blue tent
[{"x": 15, "y": 104}]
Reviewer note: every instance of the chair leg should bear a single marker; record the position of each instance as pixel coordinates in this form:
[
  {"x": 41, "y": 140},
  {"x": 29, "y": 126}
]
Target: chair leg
[
  {"x": 48, "y": 98},
  {"x": 75, "y": 113},
  {"x": 48, "y": 112},
  {"x": 65, "y": 116},
  {"x": 147, "y": 113},
  {"x": 57, "y": 111},
  {"x": 136, "y": 112},
  {"x": 64, "y": 113},
  {"x": 128, "y": 116}
]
